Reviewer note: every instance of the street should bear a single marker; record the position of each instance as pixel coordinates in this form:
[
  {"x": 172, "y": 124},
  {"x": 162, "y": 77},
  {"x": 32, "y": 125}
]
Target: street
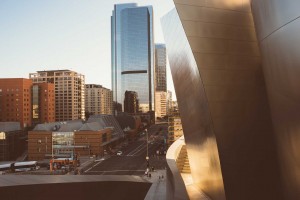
[{"x": 133, "y": 159}]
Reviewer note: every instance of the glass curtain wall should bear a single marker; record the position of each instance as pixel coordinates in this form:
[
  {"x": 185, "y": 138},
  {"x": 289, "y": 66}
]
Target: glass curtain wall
[
  {"x": 116, "y": 49},
  {"x": 132, "y": 53}
]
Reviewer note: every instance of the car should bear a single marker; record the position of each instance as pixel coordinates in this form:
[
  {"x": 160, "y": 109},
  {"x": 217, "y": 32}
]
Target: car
[{"x": 119, "y": 153}]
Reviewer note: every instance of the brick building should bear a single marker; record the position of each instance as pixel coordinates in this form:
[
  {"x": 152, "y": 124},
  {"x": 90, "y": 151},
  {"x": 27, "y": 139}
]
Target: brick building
[
  {"x": 25, "y": 102},
  {"x": 68, "y": 138},
  {"x": 43, "y": 103},
  {"x": 15, "y": 101}
]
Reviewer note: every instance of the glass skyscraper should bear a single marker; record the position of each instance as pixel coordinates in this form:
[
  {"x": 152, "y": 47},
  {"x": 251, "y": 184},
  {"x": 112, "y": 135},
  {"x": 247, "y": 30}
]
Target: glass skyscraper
[{"x": 133, "y": 54}]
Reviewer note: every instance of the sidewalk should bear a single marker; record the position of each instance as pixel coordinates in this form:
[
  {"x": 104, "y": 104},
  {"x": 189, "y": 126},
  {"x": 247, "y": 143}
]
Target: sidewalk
[{"x": 158, "y": 190}]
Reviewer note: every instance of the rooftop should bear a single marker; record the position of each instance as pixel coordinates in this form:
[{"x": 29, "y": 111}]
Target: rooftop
[{"x": 9, "y": 126}]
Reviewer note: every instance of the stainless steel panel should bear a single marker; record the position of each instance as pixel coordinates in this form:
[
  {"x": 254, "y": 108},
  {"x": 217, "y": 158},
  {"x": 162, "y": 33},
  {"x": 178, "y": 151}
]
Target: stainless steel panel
[
  {"x": 207, "y": 14},
  {"x": 222, "y": 99},
  {"x": 270, "y": 15},
  {"x": 202, "y": 147},
  {"x": 278, "y": 26},
  {"x": 221, "y": 31}
]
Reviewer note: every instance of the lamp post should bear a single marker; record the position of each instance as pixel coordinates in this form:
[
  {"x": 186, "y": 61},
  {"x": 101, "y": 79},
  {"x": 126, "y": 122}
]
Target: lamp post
[{"x": 147, "y": 156}]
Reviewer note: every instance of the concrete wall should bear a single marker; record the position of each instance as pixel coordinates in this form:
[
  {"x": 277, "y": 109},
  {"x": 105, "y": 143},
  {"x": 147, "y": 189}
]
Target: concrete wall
[
  {"x": 278, "y": 29},
  {"x": 20, "y": 187},
  {"x": 216, "y": 67}
]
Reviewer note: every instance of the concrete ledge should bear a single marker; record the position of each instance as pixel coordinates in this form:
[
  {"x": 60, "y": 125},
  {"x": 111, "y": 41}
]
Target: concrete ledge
[
  {"x": 175, "y": 186},
  {"x": 20, "y": 187}
]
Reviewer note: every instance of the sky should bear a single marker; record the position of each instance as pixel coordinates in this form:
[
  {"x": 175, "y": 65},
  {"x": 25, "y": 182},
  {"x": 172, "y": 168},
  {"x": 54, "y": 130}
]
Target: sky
[{"x": 64, "y": 34}]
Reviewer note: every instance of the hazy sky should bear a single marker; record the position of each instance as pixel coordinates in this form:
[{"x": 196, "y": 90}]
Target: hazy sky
[{"x": 64, "y": 34}]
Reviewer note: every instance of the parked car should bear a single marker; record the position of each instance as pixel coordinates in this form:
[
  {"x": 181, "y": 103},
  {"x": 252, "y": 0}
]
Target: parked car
[{"x": 119, "y": 153}]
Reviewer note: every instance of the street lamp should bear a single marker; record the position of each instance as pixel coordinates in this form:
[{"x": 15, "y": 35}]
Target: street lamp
[{"x": 147, "y": 156}]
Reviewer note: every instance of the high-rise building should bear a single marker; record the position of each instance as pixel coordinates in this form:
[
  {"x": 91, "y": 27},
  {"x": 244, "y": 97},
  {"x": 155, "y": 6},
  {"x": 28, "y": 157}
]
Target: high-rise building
[
  {"x": 98, "y": 99},
  {"x": 69, "y": 92},
  {"x": 160, "y": 68},
  {"x": 43, "y": 103},
  {"x": 133, "y": 54},
  {"x": 131, "y": 102},
  {"x": 160, "y": 104},
  {"x": 25, "y": 102},
  {"x": 15, "y": 104}
]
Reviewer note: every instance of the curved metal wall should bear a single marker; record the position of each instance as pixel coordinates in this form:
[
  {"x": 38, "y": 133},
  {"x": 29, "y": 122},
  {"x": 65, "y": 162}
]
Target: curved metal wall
[
  {"x": 194, "y": 112},
  {"x": 278, "y": 29},
  {"x": 216, "y": 68}
]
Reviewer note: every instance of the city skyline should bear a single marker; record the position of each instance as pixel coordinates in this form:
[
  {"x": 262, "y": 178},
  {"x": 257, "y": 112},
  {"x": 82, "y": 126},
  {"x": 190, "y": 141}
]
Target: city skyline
[{"x": 44, "y": 35}]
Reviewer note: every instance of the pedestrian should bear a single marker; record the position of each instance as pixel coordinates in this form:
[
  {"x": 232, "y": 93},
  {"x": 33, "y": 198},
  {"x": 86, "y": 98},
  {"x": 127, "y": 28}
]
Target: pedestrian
[{"x": 162, "y": 176}]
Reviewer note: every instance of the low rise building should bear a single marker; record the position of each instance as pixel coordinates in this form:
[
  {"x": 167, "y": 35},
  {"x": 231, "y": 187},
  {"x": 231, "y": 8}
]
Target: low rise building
[
  {"x": 65, "y": 139},
  {"x": 175, "y": 130}
]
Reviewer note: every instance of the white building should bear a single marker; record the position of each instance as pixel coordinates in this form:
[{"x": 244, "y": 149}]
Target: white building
[
  {"x": 160, "y": 104},
  {"x": 98, "y": 99},
  {"x": 69, "y": 92}
]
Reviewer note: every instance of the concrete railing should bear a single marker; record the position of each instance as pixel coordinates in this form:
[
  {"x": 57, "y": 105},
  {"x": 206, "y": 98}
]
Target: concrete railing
[{"x": 175, "y": 186}]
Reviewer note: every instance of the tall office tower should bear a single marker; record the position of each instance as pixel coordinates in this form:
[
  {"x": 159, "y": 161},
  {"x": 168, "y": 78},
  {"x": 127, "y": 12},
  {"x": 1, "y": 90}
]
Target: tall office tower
[
  {"x": 15, "y": 104},
  {"x": 69, "y": 92},
  {"x": 160, "y": 103},
  {"x": 131, "y": 102},
  {"x": 160, "y": 68},
  {"x": 133, "y": 54},
  {"x": 43, "y": 103},
  {"x": 98, "y": 99}
]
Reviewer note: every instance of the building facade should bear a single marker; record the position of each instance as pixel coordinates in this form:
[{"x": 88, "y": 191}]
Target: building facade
[
  {"x": 12, "y": 140},
  {"x": 160, "y": 68},
  {"x": 160, "y": 104},
  {"x": 68, "y": 139},
  {"x": 131, "y": 102},
  {"x": 98, "y": 100},
  {"x": 43, "y": 103},
  {"x": 175, "y": 130},
  {"x": 16, "y": 101},
  {"x": 69, "y": 92},
  {"x": 169, "y": 102},
  {"x": 133, "y": 53},
  {"x": 235, "y": 68}
]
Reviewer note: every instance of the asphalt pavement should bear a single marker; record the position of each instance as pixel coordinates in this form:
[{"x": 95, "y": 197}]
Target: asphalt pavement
[{"x": 133, "y": 158}]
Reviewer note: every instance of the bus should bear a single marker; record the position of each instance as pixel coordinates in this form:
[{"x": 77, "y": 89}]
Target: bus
[
  {"x": 25, "y": 166},
  {"x": 19, "y": 166},
  {"x": 5, "y": 168}
]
